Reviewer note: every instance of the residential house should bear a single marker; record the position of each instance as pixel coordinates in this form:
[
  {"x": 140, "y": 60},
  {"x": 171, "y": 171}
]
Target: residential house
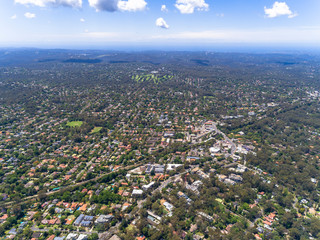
[
  {"x": 153, "y": 218},
  {"x": 72, "y": 236},
  {"x": 148, "y": 186},
  {"x": 137, "y": 193},
  {"x": 59, "y": 238},
  {"x": 51, "y": 237},
  {"x": 229, "y": 181},
  {"x": 236, "y": 178},
  {"x": 102, "y": 219},
  {"x": 115, "y": 237},
  {"x": 82, "y": 237},
  {"x": 79, "y": 220}
]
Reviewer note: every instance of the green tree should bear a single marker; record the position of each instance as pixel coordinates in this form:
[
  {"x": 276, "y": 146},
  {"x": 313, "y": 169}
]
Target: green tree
[{"x": 93, "y": 236}]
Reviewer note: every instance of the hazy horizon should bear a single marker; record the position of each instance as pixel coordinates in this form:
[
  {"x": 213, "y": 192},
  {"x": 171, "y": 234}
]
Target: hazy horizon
[{"x": 145, "y": 48}]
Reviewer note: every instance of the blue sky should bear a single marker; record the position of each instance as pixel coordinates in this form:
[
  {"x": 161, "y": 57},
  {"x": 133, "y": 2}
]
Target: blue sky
[{"x": 95, "y": 23}]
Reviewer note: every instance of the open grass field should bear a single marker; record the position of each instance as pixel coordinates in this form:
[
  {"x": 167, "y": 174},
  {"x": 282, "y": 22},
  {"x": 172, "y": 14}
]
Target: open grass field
[
  {"x": 151, "y": 78},
  {"x": 74, "y": 124},
  {"x": 96, "y": 129}
]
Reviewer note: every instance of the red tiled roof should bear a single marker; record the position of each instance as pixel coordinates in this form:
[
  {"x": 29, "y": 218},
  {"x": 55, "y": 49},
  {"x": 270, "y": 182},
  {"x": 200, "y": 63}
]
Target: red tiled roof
[{"x": 51, "y": 237}]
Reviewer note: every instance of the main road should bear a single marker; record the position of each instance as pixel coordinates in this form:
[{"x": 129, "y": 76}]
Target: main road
[{"x": 226, "y": 138}]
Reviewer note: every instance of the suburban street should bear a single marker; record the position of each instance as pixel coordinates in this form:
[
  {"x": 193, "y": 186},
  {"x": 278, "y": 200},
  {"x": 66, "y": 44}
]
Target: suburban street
[{"x": 6, "y": 204}]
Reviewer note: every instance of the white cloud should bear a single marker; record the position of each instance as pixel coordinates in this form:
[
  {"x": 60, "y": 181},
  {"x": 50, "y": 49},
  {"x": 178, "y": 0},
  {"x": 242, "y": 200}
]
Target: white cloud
[
  {"x": 104, "y": 5},
  {"x": 160, "y": 22},
  {"x": 293, "y": 15},
  {"x": 29, "y": 15},
  {"x": 188, "y": 6},
  {"x": 164, "y": 8},
  {"x": 39, "y": 3},
  {"x": 82, "y": 20},
  {"x": 13, "y": 17},
  {"x": 44, "y": 3},
  {"x": 70, "y": 3},
  {"x": 118, "y": 5},
  {"x": 132, "y": 5},
  {"x": 279, "y": 9}
]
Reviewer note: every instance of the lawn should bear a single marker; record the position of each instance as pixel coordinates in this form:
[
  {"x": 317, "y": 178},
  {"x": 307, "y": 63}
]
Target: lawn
[
  {"x": 74, "y": 124},
  {"x": 130, "y": 227},
  {"x": 96, "y": 129}
]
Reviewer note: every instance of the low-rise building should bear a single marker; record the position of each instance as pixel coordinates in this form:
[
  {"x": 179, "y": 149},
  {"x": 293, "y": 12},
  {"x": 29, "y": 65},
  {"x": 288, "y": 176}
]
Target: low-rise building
[
  {"x": 102, "y": 219},
  {"x": 82, "y": 237},
  {"x": 181, "y": 194},
  {"x": 79, "y": 220},
  {"x": 59, "y": 238},
  {"x": 148, "y": 186},
  {"x": 236, "y": 178},
  {"x": 137, "y": 193},
  {"x": 229, "y": 181},
  {"x": 72, "y": 236},
  {"x": 206, "y": 216},
  {"x": 169, "y": 207},
  {"x": 153, "y": 218}
]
